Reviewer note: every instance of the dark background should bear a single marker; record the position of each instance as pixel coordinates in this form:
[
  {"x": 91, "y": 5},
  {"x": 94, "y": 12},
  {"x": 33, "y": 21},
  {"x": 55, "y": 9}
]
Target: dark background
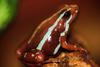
[{"x": 31, "y": 12}]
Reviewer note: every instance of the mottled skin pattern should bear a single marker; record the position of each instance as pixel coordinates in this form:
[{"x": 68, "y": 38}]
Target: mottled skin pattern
[{"x": 49, "y": 34}]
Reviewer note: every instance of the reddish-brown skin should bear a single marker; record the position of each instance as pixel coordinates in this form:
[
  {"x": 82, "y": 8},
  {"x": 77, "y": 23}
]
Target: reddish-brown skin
[{"x": 28, "y": 52}]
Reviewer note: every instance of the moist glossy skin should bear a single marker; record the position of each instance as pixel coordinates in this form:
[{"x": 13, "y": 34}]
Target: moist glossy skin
[{"x": 49, "y": 37}]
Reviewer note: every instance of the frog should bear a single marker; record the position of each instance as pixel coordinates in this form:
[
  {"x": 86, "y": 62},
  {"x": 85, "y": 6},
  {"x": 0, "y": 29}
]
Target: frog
[{"x": 49, "y": 37}]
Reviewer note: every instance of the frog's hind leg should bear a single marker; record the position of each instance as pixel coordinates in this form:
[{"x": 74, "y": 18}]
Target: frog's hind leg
[{"x": 70, "y": 47}]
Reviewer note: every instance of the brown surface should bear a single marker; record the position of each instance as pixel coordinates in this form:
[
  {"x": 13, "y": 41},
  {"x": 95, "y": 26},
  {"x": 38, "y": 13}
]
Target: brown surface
[
  {"x": 72, "y": 59},
  {"x": 31, "y": 13}
]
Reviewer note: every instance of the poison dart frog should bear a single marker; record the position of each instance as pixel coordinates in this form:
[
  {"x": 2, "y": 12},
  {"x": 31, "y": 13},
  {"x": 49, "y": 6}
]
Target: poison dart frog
[{"x": 49, "y": 36}]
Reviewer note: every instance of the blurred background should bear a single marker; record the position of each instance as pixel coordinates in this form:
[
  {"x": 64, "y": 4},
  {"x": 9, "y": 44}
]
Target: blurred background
[{"x": 30, "y": 13}]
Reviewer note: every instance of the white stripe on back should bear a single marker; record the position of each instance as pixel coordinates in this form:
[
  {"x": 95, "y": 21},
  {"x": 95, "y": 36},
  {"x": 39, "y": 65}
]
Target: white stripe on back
[{"x": 39, "y": 47}]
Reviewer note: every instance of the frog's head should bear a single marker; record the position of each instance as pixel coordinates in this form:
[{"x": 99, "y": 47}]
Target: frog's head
[{"x": 33, "y": 56}]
